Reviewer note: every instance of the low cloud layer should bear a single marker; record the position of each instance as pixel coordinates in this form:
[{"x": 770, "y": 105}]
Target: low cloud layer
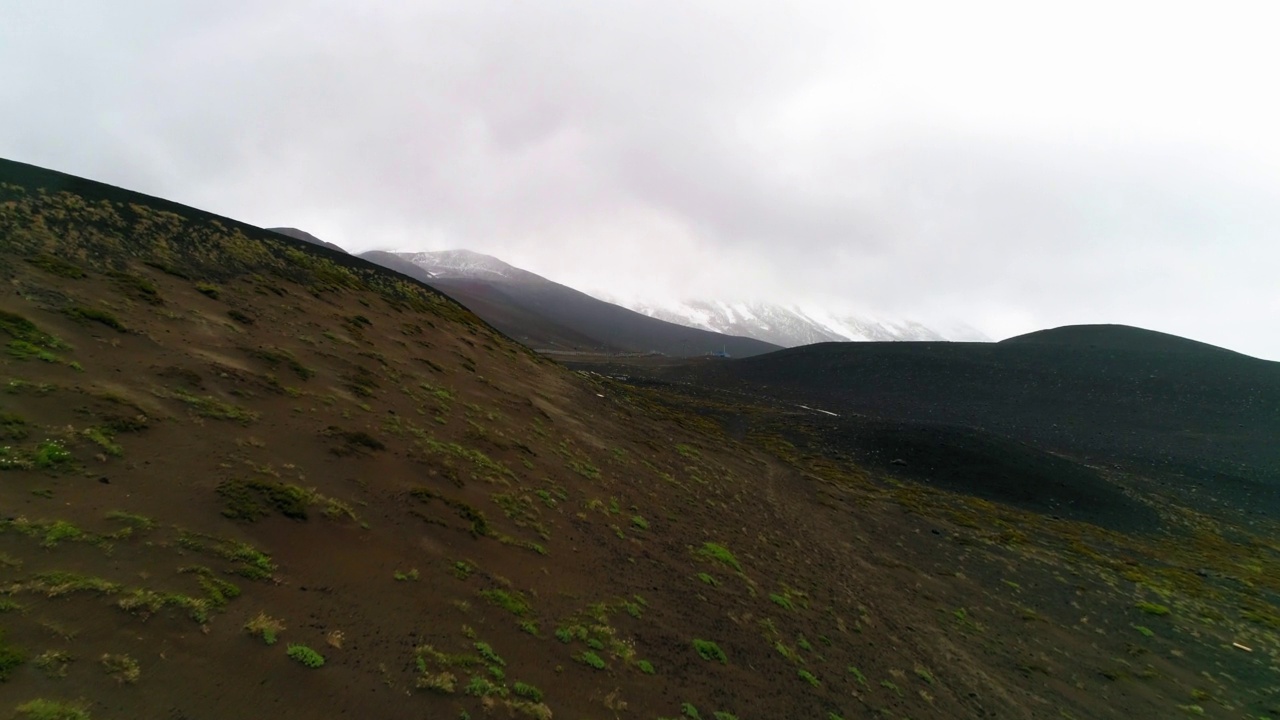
[{"x": 992, "y": 163}]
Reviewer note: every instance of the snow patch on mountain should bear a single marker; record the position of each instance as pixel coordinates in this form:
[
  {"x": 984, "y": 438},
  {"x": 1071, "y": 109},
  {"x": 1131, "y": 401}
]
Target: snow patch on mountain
[
  {"x": 463, "y": 264},
  {"x": 793, "y": 325}
]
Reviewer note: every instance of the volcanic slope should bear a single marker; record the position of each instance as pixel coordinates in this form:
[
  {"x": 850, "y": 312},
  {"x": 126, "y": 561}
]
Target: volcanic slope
[
  {"x": 547, "y": 315},
  {"x": 1110, "y": 395},
  {"x": 489, "y": 301},
  {"x": 246, "y": 476}
]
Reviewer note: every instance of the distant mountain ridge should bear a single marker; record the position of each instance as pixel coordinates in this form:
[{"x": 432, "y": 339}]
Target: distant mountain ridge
[
  {"x": 546, "y": 315},
  {"x": 304, "y": 236}
]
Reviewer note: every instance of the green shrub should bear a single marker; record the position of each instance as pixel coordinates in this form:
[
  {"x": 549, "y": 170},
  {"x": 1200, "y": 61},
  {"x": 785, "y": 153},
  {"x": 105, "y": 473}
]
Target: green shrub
[
  {"x": 592, "y": 659},
  {"x": 489, "y": 655},
  {"x": 1151, "y": 608},
  {"x": 41, "y": 709},
  {"x": 306, "y": 656},
  {"x": 88, "y": 314},
  {"x": 709, "y": 651},
  {"x": 57, "y": 266},
  {"x": 525, "y": 690},
  {"x": 51, "y": 454},
  {"x": 481, "y": 687},
  {"x": 102, "y": 439},
  {"x": 512, "y": 601},
  {"x": 720, "y": 553},
  {"x": 60, "y": 530},
  {"x": 11, "y": 658}
]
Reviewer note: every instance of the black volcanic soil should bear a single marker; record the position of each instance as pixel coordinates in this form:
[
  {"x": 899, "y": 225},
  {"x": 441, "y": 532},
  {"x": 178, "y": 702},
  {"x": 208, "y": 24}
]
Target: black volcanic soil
[
  {"x": 1119, "y": 398},
  {"x": 989, "y": 466}
]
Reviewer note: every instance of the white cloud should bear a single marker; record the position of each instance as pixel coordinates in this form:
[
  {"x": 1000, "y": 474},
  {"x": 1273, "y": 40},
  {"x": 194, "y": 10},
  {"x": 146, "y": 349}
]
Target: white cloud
[{"x": 1017, "y": 165}]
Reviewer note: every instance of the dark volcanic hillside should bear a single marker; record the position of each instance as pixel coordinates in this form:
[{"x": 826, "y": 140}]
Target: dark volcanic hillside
[
  {"x": 492, "y": 303},
  {"x": 1118, "y": 396},
  {"x": 242, "y": 475},
  {"x": 548, "y": 315}
]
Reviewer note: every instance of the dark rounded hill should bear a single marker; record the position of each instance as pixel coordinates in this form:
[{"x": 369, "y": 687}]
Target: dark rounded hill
[
  {"x": 1116, "y": 337},
  {"x": 1156, "y": 404}
]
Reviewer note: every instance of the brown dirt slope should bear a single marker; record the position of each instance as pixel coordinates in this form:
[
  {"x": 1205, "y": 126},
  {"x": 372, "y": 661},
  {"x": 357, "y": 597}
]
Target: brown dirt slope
[{"x": 229, "y": 457}]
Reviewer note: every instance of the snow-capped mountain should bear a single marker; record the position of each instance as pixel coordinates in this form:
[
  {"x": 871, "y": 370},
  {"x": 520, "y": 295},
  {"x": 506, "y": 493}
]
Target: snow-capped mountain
[
  {"x": 790, "y": 326},
  {"x": 548, "y": 316},
  {"x": 783, "y": 325},
  {"x": 465, "y": 264}
]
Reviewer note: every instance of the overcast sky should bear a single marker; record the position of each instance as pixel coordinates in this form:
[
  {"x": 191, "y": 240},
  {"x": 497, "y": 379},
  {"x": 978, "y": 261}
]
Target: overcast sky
[{"x": 1013, "y": 165}]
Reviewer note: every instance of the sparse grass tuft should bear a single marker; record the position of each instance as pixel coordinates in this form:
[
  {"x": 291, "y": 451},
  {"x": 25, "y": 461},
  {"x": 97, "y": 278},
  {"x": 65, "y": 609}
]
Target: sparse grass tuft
[
  {"x": 264, "y": 626},
  {"x": 137, "y": 522},
  {"x": 56, "y": 583},
  {"x": 137, "y": 287},
  {"x": 57, "y": 266},
  {"x": 276, "y": 357},
  {"x": 122, "y": 668},
  {"x": 102, "y": 438},
  {"x": 53, "y": 663},
  {"x": 808, "y": 677},
  {"x": 210, "y": 407}
]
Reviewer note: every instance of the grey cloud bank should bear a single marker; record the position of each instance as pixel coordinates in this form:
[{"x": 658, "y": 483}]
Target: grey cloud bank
[{"x": 1005, "y": 165}]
